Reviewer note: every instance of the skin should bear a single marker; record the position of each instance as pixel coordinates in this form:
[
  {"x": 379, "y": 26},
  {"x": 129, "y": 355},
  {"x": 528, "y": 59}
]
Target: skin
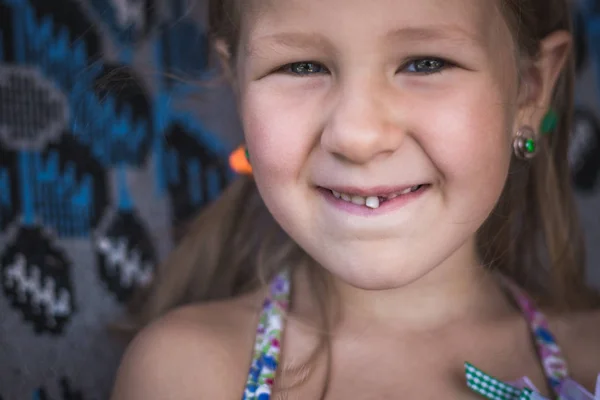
[
  {"x": 415, "y": 302},
  {"x": 369, "y": 123}
]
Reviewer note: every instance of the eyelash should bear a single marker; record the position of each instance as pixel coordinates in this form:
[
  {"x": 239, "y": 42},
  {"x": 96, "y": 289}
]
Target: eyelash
[{"x": 444, "y": 64}]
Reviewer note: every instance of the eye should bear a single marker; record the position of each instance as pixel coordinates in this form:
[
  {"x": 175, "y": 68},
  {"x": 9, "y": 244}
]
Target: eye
[
  {"x": 304, "y": 68},
  {"x": 426, "y": 66}
]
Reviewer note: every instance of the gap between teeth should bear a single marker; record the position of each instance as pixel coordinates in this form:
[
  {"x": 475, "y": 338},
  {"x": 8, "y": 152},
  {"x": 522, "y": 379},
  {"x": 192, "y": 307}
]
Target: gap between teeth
[{"x": 371, "y": 201}]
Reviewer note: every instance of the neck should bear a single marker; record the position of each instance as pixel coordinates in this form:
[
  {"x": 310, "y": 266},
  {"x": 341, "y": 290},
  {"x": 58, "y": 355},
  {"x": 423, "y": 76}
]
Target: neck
[{"x": 460, "y": 289}]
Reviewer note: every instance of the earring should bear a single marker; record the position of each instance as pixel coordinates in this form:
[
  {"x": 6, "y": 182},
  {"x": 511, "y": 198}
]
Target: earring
[
  {"x": 549, "y": 123},
  {"x": 239, "y": 161},
  {"x": 524, "y": 143}
]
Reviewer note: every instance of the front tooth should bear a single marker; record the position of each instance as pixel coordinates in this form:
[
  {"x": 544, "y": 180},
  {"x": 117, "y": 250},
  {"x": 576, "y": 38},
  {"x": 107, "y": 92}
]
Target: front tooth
[
  {"x": 372, "y": 202},
  {"x": 336, "y": 194},
  {"x": 358, "y": 200},
  {"x": 346, "y": 197}
]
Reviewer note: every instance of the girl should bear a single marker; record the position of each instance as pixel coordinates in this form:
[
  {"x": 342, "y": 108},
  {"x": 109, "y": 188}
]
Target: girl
[{"x": 412, "y": 159}]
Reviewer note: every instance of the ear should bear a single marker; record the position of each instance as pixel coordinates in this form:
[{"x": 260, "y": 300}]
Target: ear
[
  {"x": 539, "y": 77},
  {"x": 224, "y": 55}
]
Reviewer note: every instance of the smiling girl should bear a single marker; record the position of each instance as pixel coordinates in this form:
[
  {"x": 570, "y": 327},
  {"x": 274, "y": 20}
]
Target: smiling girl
[{"x": 408, "y": 219}]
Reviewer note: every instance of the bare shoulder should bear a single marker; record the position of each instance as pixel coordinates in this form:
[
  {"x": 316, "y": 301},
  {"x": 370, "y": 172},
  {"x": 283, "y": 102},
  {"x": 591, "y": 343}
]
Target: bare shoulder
[
  {"x": 195, "y": 352},
  {"x": 579, "y": 337}
]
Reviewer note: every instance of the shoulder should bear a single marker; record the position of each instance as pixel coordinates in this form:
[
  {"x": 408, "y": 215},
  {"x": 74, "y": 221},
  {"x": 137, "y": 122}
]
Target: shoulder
[
  {"x": 578, "y": 334},
  {"x": 195, "y": 352}
]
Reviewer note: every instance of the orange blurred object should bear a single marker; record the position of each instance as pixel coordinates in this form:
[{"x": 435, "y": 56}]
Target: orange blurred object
[{"x": 238, "y": 161}]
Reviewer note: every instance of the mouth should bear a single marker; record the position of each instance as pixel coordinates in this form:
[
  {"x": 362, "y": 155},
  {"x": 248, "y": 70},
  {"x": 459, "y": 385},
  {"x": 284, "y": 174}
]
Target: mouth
[{"x": 374, "y": 198}]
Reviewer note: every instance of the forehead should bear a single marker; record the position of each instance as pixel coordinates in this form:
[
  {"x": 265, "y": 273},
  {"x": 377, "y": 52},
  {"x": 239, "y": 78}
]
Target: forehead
[{"x": 478, "y": 21}]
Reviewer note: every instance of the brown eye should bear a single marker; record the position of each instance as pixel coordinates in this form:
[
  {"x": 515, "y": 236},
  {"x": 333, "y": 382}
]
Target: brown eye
[{"x": 305, "y": 68}]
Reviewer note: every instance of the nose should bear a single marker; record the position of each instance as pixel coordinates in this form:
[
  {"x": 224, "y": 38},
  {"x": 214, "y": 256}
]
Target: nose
[{"x": 365, "y": 123}]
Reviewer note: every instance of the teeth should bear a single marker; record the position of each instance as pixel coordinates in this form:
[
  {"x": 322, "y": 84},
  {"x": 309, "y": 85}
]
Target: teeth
[
  {"x": 372, "y": 201},
  {"x": 359, "y": 200}
]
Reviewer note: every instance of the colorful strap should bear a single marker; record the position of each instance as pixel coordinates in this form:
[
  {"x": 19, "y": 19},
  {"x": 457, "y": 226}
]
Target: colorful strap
[
  {"x": 553, "y": 362},
  {"x": 267, "y": 347},
  {"x": 267, "y": 350}
]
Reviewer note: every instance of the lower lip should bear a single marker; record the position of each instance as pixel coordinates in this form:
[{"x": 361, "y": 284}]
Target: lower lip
[{"x": 384, "y": 208}]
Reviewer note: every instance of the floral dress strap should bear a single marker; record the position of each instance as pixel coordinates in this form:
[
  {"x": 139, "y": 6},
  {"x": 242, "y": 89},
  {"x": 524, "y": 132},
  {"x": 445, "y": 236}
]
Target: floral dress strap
[
  {"x": 267, "y": 346},
  {"x": 267, "y": 350},
  {"x": 553, "y": 362}
]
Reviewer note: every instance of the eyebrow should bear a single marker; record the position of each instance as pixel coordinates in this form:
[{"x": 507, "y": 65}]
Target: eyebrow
[
  {"x": 429, "y": 33},
  {"x": 298, "y": 40},
  {"x": 303, "y": 40}
]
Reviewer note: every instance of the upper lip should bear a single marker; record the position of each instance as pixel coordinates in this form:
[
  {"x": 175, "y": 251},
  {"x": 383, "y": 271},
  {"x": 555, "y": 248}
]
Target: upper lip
[{"x": 372, "y": 191}]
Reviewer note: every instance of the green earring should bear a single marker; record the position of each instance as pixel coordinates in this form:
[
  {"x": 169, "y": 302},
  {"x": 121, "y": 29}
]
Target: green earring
[
  {"x": 549, "y": 123},
  {"x": 524, "y": 144}
]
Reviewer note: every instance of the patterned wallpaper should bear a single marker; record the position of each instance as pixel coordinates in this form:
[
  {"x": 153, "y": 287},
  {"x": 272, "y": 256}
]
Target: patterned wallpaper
[
  {"x": 101, "y": 156},
  {"x": 103, "y": 153}
]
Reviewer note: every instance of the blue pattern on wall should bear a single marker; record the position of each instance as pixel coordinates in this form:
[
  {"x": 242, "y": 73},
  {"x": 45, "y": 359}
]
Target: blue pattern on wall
[
  {"x": 182, "y": 50},
  {"x": 9, "y": 204},
  {"x": 126, "y": 257},
  {"x": 74, "y": 128},
  {"x": 129, "y": 21},
  {"x": 114, "y": 120},
  {"x": 194, "y": 174},
  {"x": 36, "y": 278},
  {"x": 70, "y": 188}
]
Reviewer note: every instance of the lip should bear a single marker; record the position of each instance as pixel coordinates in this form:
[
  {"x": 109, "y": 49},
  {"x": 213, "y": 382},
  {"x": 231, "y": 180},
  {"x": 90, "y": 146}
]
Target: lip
[{"x": 386, "y": 207}]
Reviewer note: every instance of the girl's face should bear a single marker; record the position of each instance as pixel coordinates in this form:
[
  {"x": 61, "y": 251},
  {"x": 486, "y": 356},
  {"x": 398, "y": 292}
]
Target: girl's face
[{"x": 379, "y": 131}]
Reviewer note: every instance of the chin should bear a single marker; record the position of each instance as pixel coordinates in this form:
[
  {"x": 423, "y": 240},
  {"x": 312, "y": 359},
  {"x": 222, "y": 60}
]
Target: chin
[{"x": 374, "y": 273}]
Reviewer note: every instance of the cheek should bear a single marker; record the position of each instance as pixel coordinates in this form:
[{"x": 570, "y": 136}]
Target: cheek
[
  {"x": 470, "y": 144},
  {"x": 271, "y": 134},
  {"x": 280, "y": 135}
]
